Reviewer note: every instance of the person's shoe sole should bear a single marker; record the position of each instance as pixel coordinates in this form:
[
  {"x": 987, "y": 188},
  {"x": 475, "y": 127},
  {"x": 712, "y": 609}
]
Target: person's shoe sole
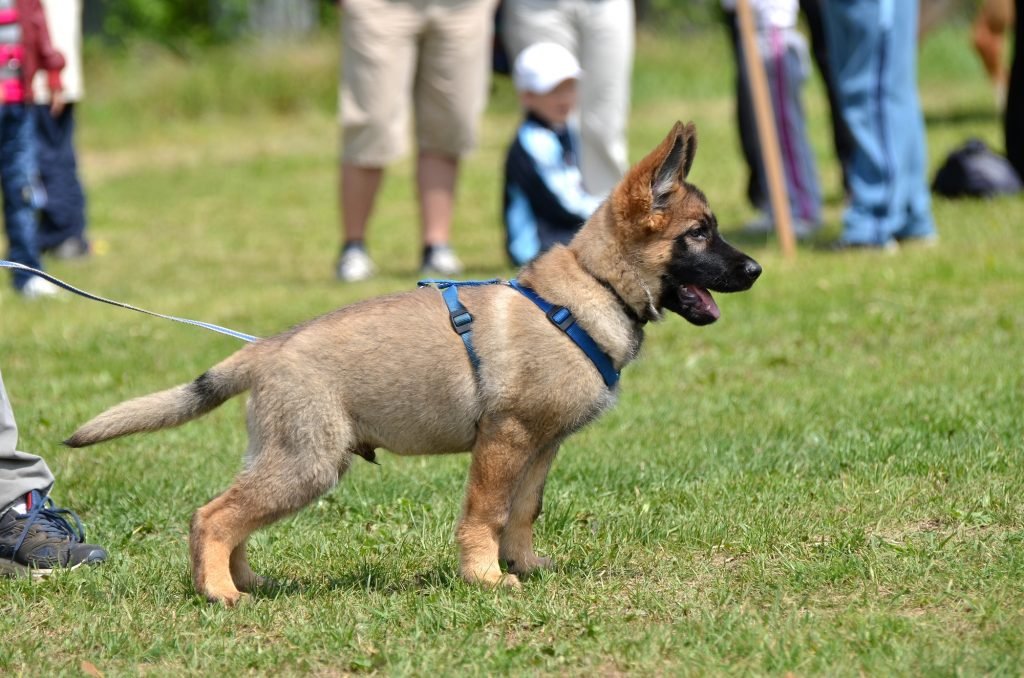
[{"x": 11, "y": 570}]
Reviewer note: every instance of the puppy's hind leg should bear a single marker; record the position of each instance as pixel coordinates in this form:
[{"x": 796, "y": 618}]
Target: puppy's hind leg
[
  {"x": 517, "y": 539},
  {"x": 278, "y": 483},
  {"x": 242, "y": 575}
]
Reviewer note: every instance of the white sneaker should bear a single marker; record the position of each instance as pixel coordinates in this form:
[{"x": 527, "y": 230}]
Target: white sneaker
[
  {"x": 441, "y": 260},
  {"x": 354, "y": 265},
  {"x": 38, "y": 288}
]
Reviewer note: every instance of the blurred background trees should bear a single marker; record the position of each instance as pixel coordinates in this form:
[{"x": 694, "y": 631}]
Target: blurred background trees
[{"x": 183, "y": 22}]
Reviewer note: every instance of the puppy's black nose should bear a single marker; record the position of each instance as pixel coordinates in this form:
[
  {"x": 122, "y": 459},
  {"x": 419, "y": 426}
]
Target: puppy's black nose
[{"x": 752, "y": 270}]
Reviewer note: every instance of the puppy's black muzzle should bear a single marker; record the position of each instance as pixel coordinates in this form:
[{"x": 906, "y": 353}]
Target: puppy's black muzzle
[
  {"x": 745, "y": 275},
  {"x": 692, "y": 275},
  {"x": 736, "y": 271}
]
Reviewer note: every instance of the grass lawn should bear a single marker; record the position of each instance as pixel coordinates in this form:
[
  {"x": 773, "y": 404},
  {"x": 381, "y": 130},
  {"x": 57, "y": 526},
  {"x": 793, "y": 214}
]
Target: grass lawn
[{"x": 826, "y": 481}]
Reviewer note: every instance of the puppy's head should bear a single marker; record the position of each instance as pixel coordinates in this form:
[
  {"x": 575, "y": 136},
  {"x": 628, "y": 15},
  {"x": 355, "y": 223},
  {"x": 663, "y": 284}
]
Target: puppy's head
[{"x": 668, "y": 233}]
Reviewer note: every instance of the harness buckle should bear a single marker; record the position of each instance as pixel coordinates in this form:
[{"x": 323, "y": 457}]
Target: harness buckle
[
  {"x": 561, "y": 317},
  {"x": 462, "y": 321}
]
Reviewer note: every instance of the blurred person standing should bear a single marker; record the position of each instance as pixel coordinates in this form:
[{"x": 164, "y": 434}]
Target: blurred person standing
[
  {"x": 873, "y": 53},
  {"x": 757, "y": 190},
  {"x": 25, "y": 48},
  {"x": 783, "y": 50},
  {"x": 431, "y": 56},
  {"x": 62, "y": 221},
  {"x": 601, "y": 35}
]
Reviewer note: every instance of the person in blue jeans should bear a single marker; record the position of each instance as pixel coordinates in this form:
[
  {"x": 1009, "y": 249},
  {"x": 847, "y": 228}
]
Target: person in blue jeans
[
  {"x": 17, "y": 169},
  {"x": 873, "y": 53},
  {"x": 24, "y": 49}
]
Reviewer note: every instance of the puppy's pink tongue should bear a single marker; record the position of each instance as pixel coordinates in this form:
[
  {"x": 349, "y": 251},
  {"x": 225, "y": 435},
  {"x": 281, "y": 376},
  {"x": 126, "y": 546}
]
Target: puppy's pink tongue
[{"x": 706, "y": 301}]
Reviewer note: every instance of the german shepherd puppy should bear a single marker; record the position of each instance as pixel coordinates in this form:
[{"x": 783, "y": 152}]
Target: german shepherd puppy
[{"x": 391, "y": 373}]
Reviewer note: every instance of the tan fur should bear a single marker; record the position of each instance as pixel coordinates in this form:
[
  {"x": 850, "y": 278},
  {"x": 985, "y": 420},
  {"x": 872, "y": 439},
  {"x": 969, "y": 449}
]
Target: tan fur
[{"x": 390, "y": 373}]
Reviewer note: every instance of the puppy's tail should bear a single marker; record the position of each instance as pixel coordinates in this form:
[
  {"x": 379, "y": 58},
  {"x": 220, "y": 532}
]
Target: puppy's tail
[{"x": 172, "y": 407}]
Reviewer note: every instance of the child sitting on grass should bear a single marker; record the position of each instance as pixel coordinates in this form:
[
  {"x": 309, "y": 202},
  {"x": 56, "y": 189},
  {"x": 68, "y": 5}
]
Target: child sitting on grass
[{"x": 545, "y": 202}]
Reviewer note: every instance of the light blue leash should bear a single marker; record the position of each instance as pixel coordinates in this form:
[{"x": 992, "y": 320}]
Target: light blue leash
[
  {"x": 87, "y": 295},
  {"x": 461, "y": 319}
]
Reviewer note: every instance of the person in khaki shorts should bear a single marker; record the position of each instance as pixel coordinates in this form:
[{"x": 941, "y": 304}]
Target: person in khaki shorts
[
  {"x": 600, "y": 34},
  {"x": 430, "y": 56}
]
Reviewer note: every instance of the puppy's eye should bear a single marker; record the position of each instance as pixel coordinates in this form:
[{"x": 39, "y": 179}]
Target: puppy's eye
[{"x": 701, "y": 233}]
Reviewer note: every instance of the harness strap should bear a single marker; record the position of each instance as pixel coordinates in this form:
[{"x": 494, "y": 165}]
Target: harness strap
[
  {"x": 459, "y": 315},
  {"x": 562, "y": 318},
  {"x": 462, "y": 323}
]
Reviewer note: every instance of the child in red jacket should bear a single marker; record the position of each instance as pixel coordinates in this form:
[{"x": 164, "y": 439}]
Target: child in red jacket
[{"x": 24, "y": 49}]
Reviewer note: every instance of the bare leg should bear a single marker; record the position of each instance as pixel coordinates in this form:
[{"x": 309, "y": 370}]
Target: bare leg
[
  {"x": 435, "y": 182},
  {"x": 358, "y": 192},
  {"x": 989, "y": 46},
  {"x": 517, "y": 539},
  {"x": 500, "y": 459},
  {"x": 991, "y": 24}
]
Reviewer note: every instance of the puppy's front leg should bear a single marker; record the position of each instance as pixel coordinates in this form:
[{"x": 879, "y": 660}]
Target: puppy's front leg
[
  {"x": 501, "y": 455},
  {"x": 517, "y": 539}
]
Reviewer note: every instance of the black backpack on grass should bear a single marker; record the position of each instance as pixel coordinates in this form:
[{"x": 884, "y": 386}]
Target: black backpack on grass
[{"x": 974, "y": 171}]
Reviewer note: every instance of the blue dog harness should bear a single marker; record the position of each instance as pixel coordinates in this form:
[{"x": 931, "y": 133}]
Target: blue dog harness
[{"x": 560, "y": 317}]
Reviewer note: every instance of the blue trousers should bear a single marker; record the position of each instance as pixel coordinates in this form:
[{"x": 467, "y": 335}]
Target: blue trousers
[
  {"x": 873, "y": 53},
  {"x": 19, "y": 180},
  {"x": 63, "y": 216}
]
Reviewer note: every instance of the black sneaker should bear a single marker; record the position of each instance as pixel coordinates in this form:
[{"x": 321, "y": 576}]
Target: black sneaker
[
  {"x": 41, "y": 540},
  {"x": 440, "y": 260}
]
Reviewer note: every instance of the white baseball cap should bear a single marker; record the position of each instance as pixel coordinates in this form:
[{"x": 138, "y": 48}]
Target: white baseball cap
[{"x": 543, "y": 66}]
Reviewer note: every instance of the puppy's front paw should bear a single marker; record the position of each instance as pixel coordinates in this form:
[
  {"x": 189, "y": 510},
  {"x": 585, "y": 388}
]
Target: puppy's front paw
[
  {"x": 491, "y": 576},
  {"x": 227, "y": 597},
  {"x": 256, "y": 583},
  {"x": 508, "y": 581},
  {"x": 524, "y": 565}
]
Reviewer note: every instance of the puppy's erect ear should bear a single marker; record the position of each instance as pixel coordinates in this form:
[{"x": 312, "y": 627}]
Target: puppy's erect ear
[
  {"x": 676, "y": 165},
  {"x": 640, "y": 199}
]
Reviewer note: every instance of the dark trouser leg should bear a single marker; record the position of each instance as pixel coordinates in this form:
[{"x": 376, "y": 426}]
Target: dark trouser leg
[
  {"x": 1013, "y": 121},
  {"x": 63, "y": 216},
  {"x": 756, "y": 191},
  {"x": 841, "y": 137}
]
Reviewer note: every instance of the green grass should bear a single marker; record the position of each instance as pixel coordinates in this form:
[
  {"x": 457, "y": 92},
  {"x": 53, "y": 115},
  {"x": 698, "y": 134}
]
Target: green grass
[{"x": 826, "y": 481}]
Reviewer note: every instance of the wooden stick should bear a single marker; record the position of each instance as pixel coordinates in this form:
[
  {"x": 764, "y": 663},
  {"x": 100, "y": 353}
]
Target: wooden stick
[{"x": 763, "y": 112}]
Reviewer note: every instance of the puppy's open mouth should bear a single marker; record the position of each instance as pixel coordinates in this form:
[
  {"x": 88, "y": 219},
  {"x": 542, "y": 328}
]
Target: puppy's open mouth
[{"x": 697, "y": 305}]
